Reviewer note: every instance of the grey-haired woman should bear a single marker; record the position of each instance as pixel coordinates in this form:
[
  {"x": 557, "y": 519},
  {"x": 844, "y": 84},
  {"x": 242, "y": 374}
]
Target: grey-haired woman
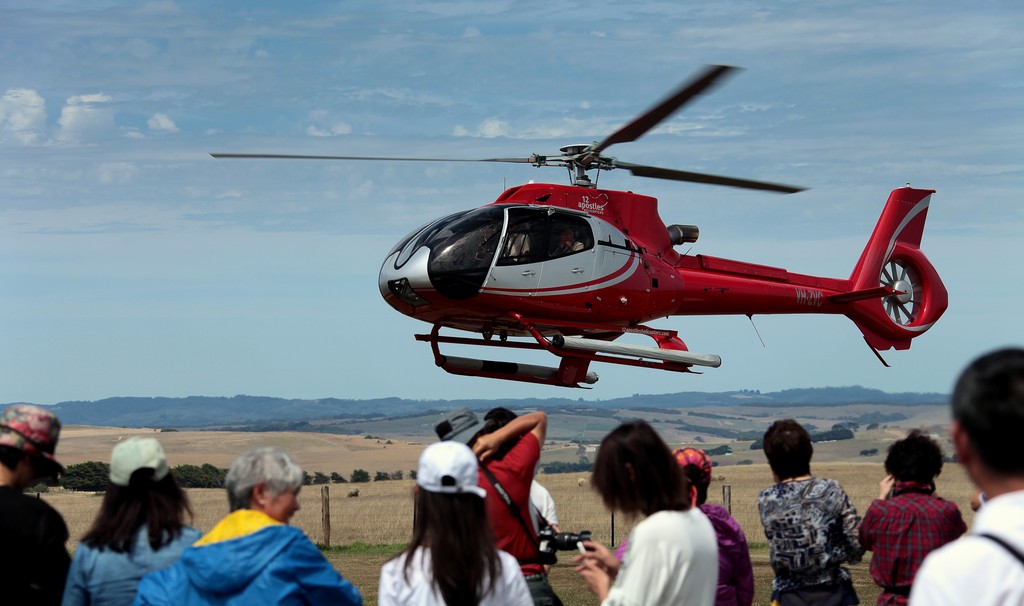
[{"x": 253, "y": 556}]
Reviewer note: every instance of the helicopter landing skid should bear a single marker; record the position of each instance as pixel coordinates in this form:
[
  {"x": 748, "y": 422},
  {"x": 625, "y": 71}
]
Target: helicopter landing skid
[{"x": 575, "y": 353}]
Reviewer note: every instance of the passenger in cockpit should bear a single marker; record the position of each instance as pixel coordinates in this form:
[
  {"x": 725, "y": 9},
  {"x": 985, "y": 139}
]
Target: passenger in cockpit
[{"x": 567, "y": 243}]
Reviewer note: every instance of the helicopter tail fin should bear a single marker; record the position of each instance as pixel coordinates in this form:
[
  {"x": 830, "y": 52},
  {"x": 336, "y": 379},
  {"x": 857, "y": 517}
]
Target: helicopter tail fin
[{"x": 903, "y": 295}]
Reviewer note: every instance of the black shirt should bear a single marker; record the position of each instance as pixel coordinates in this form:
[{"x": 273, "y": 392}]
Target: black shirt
[{"x": 33, "y": 557}]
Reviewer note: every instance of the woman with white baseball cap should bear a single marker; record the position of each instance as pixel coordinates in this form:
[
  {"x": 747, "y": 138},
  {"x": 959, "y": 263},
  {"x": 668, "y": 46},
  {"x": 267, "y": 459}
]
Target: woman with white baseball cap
[
  {"x": 139, "y": 528},
  {"x": 452, "y": 558}
]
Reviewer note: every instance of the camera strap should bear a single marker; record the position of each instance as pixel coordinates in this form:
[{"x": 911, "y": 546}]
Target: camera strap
[{"x": 512, "y": 507}]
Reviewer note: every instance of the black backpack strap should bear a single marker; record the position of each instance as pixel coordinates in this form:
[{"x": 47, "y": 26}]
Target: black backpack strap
[{"x": 1005, "y": 545}]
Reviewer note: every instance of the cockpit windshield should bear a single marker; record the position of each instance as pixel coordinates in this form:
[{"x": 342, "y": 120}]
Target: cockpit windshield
[
  {"x": 412, "y": 242},
  {"x": 462, "y": 250}
]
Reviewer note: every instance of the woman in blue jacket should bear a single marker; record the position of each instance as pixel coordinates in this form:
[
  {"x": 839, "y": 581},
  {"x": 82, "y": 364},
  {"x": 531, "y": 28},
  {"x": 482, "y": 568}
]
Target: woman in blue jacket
[
  {"x": 253, "y": 556},
  {"x": 140, "y": 528}
]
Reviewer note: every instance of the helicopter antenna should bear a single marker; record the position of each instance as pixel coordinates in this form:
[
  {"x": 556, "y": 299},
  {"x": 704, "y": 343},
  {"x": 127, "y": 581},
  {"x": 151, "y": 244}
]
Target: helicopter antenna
[
  {"x": 875, "y": 351},
  {"x": 756, "y": 332}
]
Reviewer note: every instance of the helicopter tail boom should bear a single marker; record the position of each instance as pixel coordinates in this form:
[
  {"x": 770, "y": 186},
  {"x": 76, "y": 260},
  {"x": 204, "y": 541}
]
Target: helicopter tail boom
[{"x": 903, "y": 295}]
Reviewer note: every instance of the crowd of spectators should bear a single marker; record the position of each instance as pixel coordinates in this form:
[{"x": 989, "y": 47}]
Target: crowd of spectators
[{"x": 477, "y": 533}]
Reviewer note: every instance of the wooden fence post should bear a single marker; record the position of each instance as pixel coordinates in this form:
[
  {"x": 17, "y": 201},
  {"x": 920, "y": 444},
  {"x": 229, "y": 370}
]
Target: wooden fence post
[
  {"x": 325, "y": 507},
  {"x": 727, "y": 497}
]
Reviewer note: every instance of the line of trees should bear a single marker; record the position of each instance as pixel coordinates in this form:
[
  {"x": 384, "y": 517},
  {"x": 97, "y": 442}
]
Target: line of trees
[
  {"x": 839, "y": 431},
  {"x": 94, "y": 476}
]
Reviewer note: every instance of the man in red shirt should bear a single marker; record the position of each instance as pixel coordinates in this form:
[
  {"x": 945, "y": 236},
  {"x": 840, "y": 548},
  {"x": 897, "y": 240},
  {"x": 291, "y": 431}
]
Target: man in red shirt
[
  {"x": 907, "y": 521},
  {"x": 508, "y": 448}
]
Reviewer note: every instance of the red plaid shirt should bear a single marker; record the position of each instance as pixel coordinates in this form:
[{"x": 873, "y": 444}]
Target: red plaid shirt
[{"x": 901, "y": 531}]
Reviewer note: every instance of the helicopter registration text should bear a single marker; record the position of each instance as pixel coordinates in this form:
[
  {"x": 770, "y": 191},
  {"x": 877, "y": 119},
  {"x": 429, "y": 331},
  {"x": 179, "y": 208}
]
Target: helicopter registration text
[{"x": 812, "y": 298}]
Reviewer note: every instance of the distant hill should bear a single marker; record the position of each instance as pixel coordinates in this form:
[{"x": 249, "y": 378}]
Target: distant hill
[{"x": 283, "y": 413}]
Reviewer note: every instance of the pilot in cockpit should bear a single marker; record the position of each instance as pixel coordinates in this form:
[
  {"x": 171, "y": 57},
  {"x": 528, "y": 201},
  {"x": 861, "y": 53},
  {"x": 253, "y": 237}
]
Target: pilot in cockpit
[{"x": 567, "y": 243}]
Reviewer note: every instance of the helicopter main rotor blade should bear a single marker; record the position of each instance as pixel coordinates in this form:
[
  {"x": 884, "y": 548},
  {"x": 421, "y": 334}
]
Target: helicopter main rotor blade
[
  {"x": 649, "y": 119},
  {"x": 217, "y": 155},
  {"x": 692, "y": 177}
]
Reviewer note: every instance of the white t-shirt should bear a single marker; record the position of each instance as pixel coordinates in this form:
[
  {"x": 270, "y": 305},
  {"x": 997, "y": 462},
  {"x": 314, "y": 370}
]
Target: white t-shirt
[
  {"x": 419, "y": 590},
  {"x": 672, "y": 559},
  {"x": 541, "y": 503},
  {"x": 975, "y": 570}
]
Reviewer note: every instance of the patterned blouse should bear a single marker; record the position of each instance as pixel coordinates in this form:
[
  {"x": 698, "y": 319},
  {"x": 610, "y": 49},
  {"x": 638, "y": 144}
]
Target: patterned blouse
[{"x": 811, "y": 527}]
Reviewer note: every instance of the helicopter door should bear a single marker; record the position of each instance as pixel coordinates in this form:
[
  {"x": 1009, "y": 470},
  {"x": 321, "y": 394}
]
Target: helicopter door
[
  {"x": 543, "y": 250},
  {"x": 570, "y": 253},
  {"x": 518, "y": 267}
]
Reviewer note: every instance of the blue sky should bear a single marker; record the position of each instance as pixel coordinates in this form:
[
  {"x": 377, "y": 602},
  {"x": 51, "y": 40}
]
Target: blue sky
[{"x": 132, "y": 263}]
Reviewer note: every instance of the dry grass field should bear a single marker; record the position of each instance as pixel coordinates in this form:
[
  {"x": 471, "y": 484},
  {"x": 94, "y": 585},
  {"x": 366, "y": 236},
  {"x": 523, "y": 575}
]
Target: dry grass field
[
  {"x": 312, "y": 451},
  {"x": 381, "y": 517}
]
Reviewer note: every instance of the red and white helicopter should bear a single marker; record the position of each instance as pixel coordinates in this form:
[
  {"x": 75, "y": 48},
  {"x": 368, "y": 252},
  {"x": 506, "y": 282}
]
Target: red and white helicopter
[{"x": 571, "y": 268}]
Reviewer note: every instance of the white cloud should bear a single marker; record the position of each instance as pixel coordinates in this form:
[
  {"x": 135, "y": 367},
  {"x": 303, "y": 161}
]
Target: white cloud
[
  {"x": 398, "y": 96},
  {"x": 471, "y": 32},
  {"x": 22, "y": 115},
  {"x": 338, "y": 128},
  {"x": 83, "y": 117},
  {"x": 488, "y": 129},
  {"x": 116, "y": 172},
  {"x": 325, "y": 126},
  {"x": 161, "y": 122},
  {"x": 559, "y": 129},
  {"x": 89, "y": 99}
]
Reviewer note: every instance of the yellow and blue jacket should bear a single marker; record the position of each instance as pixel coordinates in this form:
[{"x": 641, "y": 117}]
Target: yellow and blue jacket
[{"x": 249, "y": 558}]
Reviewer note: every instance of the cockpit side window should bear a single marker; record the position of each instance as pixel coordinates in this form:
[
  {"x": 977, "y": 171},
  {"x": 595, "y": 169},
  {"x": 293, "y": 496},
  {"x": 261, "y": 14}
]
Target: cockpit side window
[
  {"x": 525, "y": 238},
  {"x": 569, "y": 235},
  {"x": 535, "y": 235}
]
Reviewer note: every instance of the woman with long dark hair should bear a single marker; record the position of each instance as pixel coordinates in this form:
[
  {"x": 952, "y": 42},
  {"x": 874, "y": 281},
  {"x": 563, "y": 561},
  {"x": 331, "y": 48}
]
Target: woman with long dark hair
[
  {"x": 452, "y": 558},
  {"x": 140, "y": 527},
  {"x": 673, "y": 554}
]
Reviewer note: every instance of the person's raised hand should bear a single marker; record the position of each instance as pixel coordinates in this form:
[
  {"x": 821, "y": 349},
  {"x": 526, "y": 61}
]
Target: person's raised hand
[
  {"x": 485, "y": 446},
  {"x": 885, "y": 487}
]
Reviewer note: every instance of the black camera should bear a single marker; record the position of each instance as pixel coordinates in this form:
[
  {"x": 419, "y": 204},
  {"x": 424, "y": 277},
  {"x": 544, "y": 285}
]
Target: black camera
[{"x": 551, "y": 541}]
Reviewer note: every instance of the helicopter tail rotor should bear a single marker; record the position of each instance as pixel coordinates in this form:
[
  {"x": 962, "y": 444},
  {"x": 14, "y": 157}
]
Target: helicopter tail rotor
[{"x": 909, "y": 296}]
